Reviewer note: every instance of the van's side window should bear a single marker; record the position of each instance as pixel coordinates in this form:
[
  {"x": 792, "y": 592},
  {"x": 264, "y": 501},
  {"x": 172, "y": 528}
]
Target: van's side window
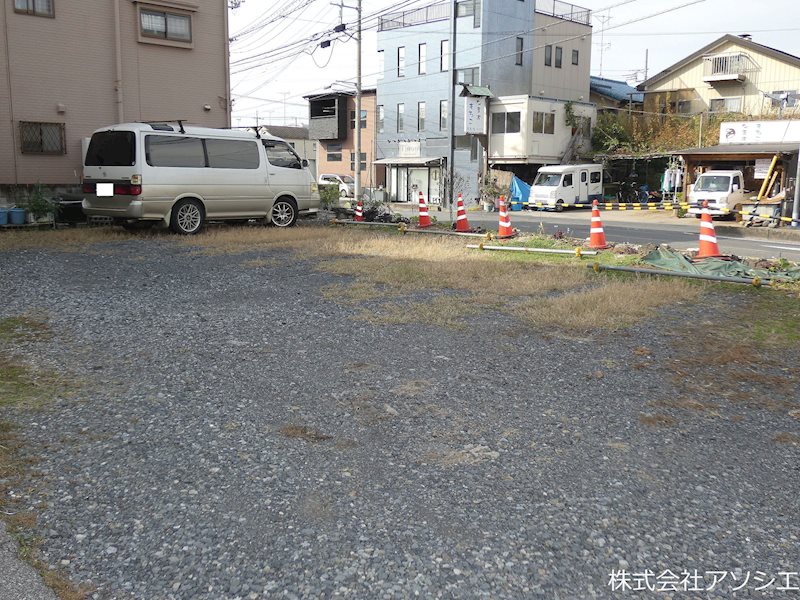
[
  {"x": 174, "y": 151},
  {"x": 232, "y": 154},
  {"x": 567, "y": 180},
  {"x": 737, "y": 182},
  {"x": 595, "y": 177},
  {"x": 280, "y": 154},
  {"x": 583, "y": 176}
]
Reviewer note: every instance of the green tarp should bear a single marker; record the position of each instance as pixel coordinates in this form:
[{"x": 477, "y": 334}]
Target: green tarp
[{"x": 670, "y": 260}]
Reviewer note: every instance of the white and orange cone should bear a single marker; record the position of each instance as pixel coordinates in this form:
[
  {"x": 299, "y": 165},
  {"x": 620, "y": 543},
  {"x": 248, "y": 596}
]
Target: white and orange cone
[
  {"x": 597, "y": 237},
  {"x": 424, "y": 218},
  {"x": 359, "y": 211},
  {"x": 708, "y": 238},
  {"x": 504, "y": 229},
  {"x": 462, "y": 224}
]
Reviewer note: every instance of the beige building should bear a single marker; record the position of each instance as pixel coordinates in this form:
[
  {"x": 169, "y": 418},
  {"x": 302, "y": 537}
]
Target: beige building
[
  {"x": 68, "y": 67},
  {"x": 731, "y": 75},
  {"x": 333, "y": 122}
]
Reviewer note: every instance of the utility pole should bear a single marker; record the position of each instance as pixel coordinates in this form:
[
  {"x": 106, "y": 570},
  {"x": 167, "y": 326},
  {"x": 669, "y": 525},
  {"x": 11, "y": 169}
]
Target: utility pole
[
  {"x": 603, "y": 20},
  {"x": 357, "y": 164},
  {"x": 451, "y": 110}
]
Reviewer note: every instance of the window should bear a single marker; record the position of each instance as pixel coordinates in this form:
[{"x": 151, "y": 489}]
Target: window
[
  {"x": 559, "y": 53},
  {"x": 469, "y": 76},
  {"x": 401, "y": 61},
  {"x": 362, "y": 165},
  {"x": 567, "y": 180},
  {"x": 737, "y": 183},
  {"x": 442, "y": 114},
  {"x": 112, "y": 149},
  {"x": 726, "y": 105},
  {"x": 520, "y": 46},
  {"x": 168, "y": 26},
  {"x": 353, "y": 119},
  {"x": 583, "y": 176},
  {"x": 381, "y": 64},
  {"x": 232, "y": 154},
  {"x": 174, "y": 151},
  {"x": 420, "y": 116},
  {"x": 423, "y": 57},
  {"x": 401, "y": 109},
  {"x": 784, "y": 98},
  {"x": 468, "y": 142},
  {"x": 574, "y": 57},
  {"x": 505, "y": 122},
  {"x": 40, "y": 8},
  {"x": 595, "y": 177},
  {"x": 334, "y": 152},
  {"x": 472, "y": 8},
  {"x": 544, "y": 123},
  {"x": 548, "y": 56},
  {"x": 280, "y": 154},
  {"x": 42, "y": 138},
  {"x": 380, "y": 118},
  {"x": 444, "y": 60}
]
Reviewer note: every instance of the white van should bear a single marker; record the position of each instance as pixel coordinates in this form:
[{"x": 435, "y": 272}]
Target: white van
[
  {"x": 346, "y": 184},
  {"x": 724, "y": 190},
  {"x": 140, "y": 174},
  {"x": 558, "y": 186}
]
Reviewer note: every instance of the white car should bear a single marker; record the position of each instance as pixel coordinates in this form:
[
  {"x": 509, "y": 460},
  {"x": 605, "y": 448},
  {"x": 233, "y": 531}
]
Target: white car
[{"x": 345, "y": 183}]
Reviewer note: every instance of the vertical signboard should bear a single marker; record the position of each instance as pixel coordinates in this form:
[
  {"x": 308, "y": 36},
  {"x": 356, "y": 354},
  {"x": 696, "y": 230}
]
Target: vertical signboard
[{"x": 475, "y": 115}]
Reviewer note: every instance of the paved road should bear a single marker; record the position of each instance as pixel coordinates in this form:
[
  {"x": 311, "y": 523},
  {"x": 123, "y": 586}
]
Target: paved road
[{"x": 635, "y": 228}]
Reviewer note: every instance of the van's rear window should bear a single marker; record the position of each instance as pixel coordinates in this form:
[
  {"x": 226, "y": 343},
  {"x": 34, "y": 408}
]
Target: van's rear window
[{"x": 111, "y": 149}]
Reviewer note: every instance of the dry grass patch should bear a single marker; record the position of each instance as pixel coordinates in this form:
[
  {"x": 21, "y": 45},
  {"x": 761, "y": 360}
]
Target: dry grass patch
[
  {"x": 787, "y": 438},
  {"x": 23, "y": 328},
  {"x": 64, "y": 239},
  {"x": 442, "y": 311},
  {"x": 618, "y": 303},
  {"x": 231, "y": 239},
  {"x": 353, "y": 293},
  {"x": 305, "y": 433},
  {"x": 657, "y": 420}
]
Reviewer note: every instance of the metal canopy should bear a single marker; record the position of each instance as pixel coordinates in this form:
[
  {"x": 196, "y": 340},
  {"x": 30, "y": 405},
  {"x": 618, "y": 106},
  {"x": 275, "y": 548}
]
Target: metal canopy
[
  {"x": 476, "y": 90},
  {"x": 413, "y": 160}
]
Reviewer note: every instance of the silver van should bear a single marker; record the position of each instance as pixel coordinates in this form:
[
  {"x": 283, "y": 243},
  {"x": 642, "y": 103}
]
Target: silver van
[{"x": 140, "y": 174}]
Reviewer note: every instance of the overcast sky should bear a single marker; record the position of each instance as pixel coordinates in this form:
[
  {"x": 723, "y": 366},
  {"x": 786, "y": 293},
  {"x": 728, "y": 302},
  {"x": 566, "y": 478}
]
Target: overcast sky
[{"x": 272, "y": 89}]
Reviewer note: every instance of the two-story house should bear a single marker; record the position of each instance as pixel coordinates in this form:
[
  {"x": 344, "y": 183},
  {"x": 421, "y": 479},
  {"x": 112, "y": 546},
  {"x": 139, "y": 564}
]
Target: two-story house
[
  {"x": 70, "y": 67},
  {"x": 332, "y": 121},
  {"x": 732, "y": 74}
]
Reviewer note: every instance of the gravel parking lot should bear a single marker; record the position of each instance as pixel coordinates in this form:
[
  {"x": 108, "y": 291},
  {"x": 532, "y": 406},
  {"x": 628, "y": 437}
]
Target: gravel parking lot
[{"x": 228, "y": 432}]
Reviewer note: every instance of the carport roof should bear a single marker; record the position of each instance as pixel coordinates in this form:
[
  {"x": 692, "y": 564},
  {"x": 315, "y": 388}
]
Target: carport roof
[
  {"x": 412, "y": 160},
  {"x": 766, "y": 149}
]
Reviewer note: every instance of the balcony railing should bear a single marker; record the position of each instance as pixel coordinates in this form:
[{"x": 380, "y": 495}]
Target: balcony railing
[
  {"x": 565, "y": 11},
  {"x": 418, "y": 16},
  {"x": 733, "y": 66}
]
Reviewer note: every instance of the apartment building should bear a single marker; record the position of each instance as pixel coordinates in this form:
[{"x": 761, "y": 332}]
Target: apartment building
[
  {"x": 524, "y": 58},
  {"x": 332, "y": 121},
  {"x": 68, "y": 67}
]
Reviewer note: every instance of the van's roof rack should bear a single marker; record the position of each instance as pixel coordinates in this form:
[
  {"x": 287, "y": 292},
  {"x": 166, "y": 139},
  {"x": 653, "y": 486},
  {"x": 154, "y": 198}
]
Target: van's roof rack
[{"x": 163, "y": 124}]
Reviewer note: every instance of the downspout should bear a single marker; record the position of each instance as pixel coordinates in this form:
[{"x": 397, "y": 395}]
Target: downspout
[
  {"x": 227, "y": 68},
  {"x": 10, "y": 97},
  {"x": 118, "y": 66}
]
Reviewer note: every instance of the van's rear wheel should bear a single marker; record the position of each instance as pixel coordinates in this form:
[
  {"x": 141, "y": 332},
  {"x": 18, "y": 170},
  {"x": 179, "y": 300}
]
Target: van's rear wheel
[
  {"x": 187, "y": 217},
  {"x": 559, "y": 206},
  {"x": 284, "y": 212}
]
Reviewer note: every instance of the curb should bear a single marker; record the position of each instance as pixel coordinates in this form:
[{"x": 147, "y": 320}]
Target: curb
[{"x": 763, "y": 233}]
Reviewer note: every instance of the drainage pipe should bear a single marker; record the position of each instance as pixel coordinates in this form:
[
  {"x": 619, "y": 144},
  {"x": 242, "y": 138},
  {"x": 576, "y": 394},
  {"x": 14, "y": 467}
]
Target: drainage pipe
[
  {"x": 754, "y": 281},
  {"x": 576, "y": 252}
]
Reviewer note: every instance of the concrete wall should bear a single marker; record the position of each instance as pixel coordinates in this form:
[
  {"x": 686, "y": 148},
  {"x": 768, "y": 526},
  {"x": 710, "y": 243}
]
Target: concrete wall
[
  {"x": 570, "y": 82},
  {"x": 70, "y": 79}
]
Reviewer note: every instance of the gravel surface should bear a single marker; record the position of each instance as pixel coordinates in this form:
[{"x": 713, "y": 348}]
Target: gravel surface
[{"x": 235, "y": 435}]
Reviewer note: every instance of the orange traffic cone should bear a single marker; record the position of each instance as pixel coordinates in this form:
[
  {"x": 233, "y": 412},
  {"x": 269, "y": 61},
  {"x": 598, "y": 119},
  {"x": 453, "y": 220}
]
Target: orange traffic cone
[
  {"x": 504, "y": 230},
  {"x": 708, "y": 239},
  {"x": 597, "y": 237},
  {"x": 424, "y": 219},
  {"x": 359, "y": 211},
  {"x": 462, "y": 224}
]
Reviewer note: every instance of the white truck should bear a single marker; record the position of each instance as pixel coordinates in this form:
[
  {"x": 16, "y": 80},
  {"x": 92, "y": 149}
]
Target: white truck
[
  {"x": 558, "y": 186},
  {"x": 724, "y": 190}
]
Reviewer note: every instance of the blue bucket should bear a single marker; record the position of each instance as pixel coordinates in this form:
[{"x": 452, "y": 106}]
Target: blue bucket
[
  {"x": 3, "y": 215},
  {"x": 17, "y": 216}
]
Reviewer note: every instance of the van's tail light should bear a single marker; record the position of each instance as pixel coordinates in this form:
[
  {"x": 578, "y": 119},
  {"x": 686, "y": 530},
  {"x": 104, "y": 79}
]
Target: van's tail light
[
  {"x": 126, "y": 189},
  {"x": 88, "y": 188}
]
